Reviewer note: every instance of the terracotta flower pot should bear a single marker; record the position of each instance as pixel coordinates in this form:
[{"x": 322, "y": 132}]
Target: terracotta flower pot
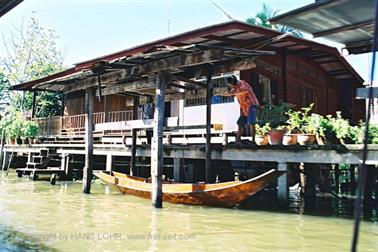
[
  {"x": 289, "y": 139},
  {"x": 12, "y": 141},
  {"x": 275, "y": 137},
  {"x": 262, "y": 140},
  {"x": 306, "y": 139}
]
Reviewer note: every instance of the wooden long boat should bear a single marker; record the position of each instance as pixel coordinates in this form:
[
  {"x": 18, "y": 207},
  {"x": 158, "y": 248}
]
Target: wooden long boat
[{"x": 226, "y": 194}]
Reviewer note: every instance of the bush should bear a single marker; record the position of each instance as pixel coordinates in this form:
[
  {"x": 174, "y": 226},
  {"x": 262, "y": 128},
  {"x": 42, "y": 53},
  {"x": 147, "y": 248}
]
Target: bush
[{"x": 30, "y": 129}]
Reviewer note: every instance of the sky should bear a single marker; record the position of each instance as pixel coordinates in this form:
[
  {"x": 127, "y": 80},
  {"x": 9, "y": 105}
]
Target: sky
[{"x": 91, "y": 28}]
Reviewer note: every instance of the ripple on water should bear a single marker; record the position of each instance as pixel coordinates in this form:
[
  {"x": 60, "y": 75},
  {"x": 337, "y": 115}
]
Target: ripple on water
[{"x": 38, "y": 211}]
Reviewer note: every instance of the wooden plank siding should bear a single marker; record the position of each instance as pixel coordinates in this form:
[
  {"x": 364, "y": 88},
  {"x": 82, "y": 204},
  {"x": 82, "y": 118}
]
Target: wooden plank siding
[
  {"x": 74, "y": 105},
  {"x": 301, "y": 81}
]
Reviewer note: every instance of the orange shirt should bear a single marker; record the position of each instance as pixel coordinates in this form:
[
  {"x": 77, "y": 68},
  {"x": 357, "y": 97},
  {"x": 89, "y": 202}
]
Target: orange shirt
[{"x": 245, "y": 95}]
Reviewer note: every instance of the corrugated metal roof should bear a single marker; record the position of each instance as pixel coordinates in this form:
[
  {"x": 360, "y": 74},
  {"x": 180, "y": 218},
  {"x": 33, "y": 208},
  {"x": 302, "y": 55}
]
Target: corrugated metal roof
[
  {"x": 232, "y": 34},
  {"x": 349, "y": 22},
  {"x": 7, "y": 5}
]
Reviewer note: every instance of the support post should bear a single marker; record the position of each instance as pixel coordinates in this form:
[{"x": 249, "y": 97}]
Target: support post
[
  {"x": 133, "y": 170},
  {"x": 30, "y": 156},
  {"x": 311, "y": 172},
  {"x": 6, "y": 161},
  {"x": 368, "y": 192},
  {"x": 2, "y": 146},
  {"x": 62, "y": 109},
  {"x": 178, "y": 169},
  {"x": 157, "y": 143},
  {"x": 283, "y": 187},
  {"x": 209, "y": 95},
  {"x": 109, "y": 162},
  {"x": 63, "y": 165},
  {"x": 33, "y": 103},
  {"x": 87, "y": 173},
  {"x": 337, "y": 178}
]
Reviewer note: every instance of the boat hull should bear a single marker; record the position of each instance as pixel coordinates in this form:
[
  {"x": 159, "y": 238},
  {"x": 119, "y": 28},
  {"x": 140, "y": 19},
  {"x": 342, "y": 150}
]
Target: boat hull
[{"x": 226, "y": 194}]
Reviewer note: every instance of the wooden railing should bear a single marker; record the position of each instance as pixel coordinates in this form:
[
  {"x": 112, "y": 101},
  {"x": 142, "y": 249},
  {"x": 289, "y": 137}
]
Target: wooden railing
[
  {"x": 76, "y": 123},
  {"x": 49, "y": 126},
  {"x": 119, "y": 116}
]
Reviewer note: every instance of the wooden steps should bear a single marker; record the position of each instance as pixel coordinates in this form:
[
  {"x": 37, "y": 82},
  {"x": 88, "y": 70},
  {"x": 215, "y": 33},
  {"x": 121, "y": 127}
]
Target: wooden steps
[{"x": 47, "y": 161}]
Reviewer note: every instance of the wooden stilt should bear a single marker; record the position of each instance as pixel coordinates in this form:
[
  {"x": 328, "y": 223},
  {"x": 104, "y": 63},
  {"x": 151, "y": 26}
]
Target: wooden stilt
[
  {"x": 368, "y": 192},
  {"x": 337, "y": 178},
  {"x": 109, "y": 162},
  {"x": 2, "y": 146},
  {"x": 157, "y": 143},
  {"x": 62, "y": 108},
  {"x": 283, "y": 186},
  {"x": 209, "y": 95},
  {"x": 302, "y": 178},
  {"x": 310, "y": 186},
  {"x": 133, "y": 170},
  {"x": 178, "y": 169},
  {"x": 33, "y": 104},
  {"x": 353, "y": 183},
  {"x": 6, "y": 161},
  {"x": 87, "y": 173}
]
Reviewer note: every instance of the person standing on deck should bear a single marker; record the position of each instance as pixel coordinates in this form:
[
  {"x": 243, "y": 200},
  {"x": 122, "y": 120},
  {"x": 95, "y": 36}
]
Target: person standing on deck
[
  {"x": 148, "y": 110},
  {"x": 248, "y": 105}
]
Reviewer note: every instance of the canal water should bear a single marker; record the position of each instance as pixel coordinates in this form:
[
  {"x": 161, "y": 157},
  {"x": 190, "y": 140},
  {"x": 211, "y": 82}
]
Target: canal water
[{"x": 37, "y": 216}]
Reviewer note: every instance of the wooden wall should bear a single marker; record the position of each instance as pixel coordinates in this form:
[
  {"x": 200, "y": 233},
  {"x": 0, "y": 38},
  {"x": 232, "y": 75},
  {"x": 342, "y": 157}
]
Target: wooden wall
[
  {"x": 74, "y": 104},
  {"x": 300, "y": 81}
]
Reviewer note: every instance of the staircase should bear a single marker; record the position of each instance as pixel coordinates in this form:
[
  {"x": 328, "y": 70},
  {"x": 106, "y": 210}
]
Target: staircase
[{"x": 47, "y": 161}]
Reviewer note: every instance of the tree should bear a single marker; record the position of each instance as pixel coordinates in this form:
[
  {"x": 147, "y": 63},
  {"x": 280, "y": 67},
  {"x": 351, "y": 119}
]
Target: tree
[
  {"x": 32, "y": 53},
  {"x": 262, "y": 19},
  {"x": 4, "y": 91}
]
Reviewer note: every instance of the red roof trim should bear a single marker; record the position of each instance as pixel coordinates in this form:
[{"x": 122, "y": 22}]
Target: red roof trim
[{"x": 30, "y": 84}]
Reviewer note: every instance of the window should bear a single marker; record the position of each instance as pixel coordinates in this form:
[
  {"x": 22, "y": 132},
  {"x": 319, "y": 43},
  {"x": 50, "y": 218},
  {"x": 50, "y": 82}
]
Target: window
[
  {"x": 218, "y": 82},
  {"x": 266, "y": 94}
]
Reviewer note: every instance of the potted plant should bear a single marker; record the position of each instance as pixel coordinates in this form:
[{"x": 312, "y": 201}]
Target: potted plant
[
  {"x": 13, "y": 132},
  {"x": 276, "y": 134},
  {"x": 340, "y": 127},
  {"x": 307, "y": 127},
  {"x": 262, "y": 134},
  {"x": 30, "y": 131},
  {"x": 4, "y": 123},
  {"x": 293, "y": 125},
  {"x": 276, "y": 116}
]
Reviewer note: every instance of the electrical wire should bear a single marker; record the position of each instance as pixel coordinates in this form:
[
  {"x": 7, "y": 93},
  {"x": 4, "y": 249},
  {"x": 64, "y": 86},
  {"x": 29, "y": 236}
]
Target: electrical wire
[{"x": 363, "y": 168}]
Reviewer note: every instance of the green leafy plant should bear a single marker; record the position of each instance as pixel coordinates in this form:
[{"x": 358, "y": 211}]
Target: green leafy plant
[
  {"x": 262, "y": 130},
  {"x": 302, "y": 120},
  {"x": 30, "y": 129},
  {"x": 357, "y": 133},
  {"x": 294, "y": 120},
  {"x": 13, "y": 130},
  {"x": 275, "y": 115},
  {"x": 340, "y": 126}
]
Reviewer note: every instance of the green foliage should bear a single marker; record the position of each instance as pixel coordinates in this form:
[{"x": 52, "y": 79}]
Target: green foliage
[
  {"x": 294, "y": 120},
  {"x": 4, "y": 91},
  {"x": 30, "y": 129},
  {"x": 274, "y": 114},
  {"x": 339, "y": 125},
  {"x": 17, "y": 127},
  {"x": 302, "y": 120},
  {"x": 14, "y": 128},
  {"x": 262, "y": 19},
  {"x": 32, "y": 53},
  {"x": 357, "y": 133},
  {"x": 262, "y": 130}
]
